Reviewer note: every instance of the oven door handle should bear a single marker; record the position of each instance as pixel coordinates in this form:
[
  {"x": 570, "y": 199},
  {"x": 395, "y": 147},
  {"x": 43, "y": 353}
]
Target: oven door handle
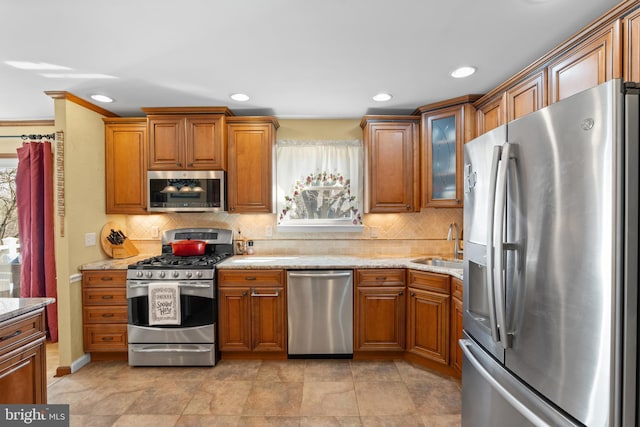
[
  {"x": 170, "y": 350},
  {"x": 182, "y": 285}
]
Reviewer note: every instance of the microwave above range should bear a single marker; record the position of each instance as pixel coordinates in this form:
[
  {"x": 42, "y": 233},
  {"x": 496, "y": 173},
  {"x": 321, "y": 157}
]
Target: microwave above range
[{"x": 186, "y": 191}]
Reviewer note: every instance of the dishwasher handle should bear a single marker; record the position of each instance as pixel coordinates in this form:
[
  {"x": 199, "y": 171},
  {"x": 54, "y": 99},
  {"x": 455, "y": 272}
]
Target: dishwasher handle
[{"x": 342, "y": 274}]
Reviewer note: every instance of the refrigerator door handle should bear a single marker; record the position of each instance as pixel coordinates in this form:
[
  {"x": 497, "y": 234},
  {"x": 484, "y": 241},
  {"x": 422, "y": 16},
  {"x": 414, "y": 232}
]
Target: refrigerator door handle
[
  {"x": 497, "y": 151},
  {"x": 465, "y": 345},
  {"x": 498, "y": 240}
]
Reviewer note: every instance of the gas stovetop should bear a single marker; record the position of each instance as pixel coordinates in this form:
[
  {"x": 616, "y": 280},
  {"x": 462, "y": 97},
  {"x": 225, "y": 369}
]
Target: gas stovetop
[
  {"x": 168, "y": 266},
  {"x": 181, "y": 262}
]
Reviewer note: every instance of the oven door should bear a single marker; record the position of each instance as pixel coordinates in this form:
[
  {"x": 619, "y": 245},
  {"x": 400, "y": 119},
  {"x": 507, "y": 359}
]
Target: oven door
[{"x": 198, "y": 314}]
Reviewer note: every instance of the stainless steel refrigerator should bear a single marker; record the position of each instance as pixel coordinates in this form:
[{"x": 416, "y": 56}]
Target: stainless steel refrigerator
[{"x": 550, "y": 266}]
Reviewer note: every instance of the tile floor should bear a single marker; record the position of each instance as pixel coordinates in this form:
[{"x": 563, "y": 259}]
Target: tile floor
[{"x": 260, "y": 393}]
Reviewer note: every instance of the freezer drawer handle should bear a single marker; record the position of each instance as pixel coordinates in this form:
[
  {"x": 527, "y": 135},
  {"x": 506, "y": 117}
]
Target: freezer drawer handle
[{"x": 519, "y": 406}]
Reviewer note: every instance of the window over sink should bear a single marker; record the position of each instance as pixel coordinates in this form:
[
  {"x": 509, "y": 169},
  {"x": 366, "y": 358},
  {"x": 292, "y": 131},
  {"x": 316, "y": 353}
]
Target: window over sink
[{"x": 319, "y": 185}]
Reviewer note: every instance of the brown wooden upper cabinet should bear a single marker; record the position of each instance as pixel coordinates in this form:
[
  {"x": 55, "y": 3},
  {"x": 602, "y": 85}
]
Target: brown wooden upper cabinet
[
  {"x": 125, "y": 165},
  {"x": 491, "y": 114},
  {"x": 251, "y": 143},
  {"x": 631, "y": 47},
  {"x": 444, "y": 131},
  {"x": 594, "y": 61},
  {"x": 392, "y": 172},
  {"x": 187, "y": 138},
  {"x": 527, "y": 96}
]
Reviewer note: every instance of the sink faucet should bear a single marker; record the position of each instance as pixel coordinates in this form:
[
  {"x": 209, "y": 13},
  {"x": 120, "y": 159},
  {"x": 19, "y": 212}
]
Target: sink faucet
[{"x": 456, "y": 245}]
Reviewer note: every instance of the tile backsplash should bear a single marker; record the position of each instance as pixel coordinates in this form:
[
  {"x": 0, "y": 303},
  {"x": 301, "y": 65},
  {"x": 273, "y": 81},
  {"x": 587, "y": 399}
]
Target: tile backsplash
[{"x": 405, "y": 234}]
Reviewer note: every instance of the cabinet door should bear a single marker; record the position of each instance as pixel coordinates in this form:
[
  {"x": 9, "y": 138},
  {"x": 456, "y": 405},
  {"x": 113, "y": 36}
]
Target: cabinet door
[
  {"x": 126, "y": 167},
  {"x": 443, "y": 158},
  {"x": 492, "y": 114},
  {"x": 268, "y": 319},
  {"x": 234, "y": 319},
  {"x": 526, "y": 97},
  {"x": 393, "y": 162},
  {"x": 456, "y": 334},
  {"x": 631, "y": 47},
  {"x": 428, "y": 325},
  {"x": 205, "y": 145},
  {"x": 166, "y": 143},
  {"x": 250, "y": 186},
  {"x": 22, "y": 376},
  {"x": 588, "y": 65},
  {"x": 380, "y": 318}
]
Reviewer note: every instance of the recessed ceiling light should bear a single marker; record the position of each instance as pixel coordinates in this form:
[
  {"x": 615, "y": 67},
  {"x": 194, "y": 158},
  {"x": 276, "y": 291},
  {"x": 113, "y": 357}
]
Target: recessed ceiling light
[
  {"x": 239, "y": 97},
  {"x": 382, "y": 97},
  {"x": 101, "y": 98},
  {"x": 462, "y": 72},
  {"x": 26, "y": 65}
]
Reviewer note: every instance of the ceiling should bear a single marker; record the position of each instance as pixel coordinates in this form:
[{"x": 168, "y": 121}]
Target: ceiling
[{"x": 294, "y": 58}]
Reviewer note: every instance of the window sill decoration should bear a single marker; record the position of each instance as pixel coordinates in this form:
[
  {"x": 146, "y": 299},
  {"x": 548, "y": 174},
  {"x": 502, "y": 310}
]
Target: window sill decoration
[{"x": 324, "y": 200}]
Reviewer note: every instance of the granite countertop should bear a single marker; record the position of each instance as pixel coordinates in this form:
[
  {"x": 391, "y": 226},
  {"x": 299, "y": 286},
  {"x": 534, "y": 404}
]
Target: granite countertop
[
  {"x": 329, "y": 261},
  {"x": 12, "y": 307},
  {"x": 248, "y": 262}
]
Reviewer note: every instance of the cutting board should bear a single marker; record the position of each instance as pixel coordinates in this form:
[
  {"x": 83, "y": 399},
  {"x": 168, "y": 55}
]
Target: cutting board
[{"x": 125, "y": 250}]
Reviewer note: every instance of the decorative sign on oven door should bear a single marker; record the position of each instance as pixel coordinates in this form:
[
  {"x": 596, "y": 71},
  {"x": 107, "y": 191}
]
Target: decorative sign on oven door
[{"x": 164, "y": 304}]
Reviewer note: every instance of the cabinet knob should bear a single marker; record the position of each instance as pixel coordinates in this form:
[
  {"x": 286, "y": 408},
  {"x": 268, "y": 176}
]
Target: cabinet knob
[
  {"x": 178, "y": 164},
  {"x": 413, "y": 294},
  {"x": 408, "y": 207},
  {"x": 401, "y": 293}
]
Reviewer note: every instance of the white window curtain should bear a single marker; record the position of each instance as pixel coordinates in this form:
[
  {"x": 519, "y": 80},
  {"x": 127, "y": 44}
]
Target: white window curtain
[{"x": 319, "y": 185}]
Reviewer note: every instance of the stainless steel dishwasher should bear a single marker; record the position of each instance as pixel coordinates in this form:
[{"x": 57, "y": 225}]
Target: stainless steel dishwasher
[{"x": 320, "y": 313}]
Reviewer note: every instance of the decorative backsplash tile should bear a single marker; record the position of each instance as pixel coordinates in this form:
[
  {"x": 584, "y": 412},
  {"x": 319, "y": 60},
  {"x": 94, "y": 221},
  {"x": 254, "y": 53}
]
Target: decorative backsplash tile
[{"x": 403, "y": 234}]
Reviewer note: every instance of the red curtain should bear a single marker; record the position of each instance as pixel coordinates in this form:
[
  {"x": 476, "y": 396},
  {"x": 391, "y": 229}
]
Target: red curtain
[{"x": 34, "y": 194}]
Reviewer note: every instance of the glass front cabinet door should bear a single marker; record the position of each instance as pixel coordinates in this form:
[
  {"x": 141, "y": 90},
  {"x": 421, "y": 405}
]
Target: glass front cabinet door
[{"x": 443, "y": 136}]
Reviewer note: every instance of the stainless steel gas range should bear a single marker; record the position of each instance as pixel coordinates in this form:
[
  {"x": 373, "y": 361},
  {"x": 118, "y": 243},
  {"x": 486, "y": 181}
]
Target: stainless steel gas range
[{"x": 171, "y": 300}]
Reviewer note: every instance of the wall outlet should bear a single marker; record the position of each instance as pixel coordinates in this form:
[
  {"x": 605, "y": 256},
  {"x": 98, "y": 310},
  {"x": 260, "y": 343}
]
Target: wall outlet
[
  {"x": 90, "y": 239},
  {"x": 155, "y": 232},
  {"x": 268, "y": 231},
  {"x": 373, "y": 232}
]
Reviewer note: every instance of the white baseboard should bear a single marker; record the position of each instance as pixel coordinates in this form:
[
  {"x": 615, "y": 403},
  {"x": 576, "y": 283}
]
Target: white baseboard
[{"x": 79, "y": 363}]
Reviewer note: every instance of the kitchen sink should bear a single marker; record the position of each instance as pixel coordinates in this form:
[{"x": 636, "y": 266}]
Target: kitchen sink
[{"x": 439, "y": 262}]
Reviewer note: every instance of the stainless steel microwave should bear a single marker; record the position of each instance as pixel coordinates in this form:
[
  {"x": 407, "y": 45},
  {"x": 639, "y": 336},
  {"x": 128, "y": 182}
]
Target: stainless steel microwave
[{"x": 186, "y": 191}]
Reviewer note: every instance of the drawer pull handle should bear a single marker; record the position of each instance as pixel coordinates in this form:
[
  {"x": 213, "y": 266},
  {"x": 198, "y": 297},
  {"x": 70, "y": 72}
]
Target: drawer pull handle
[
  {"x": 254, "y": 294},
  {"x": 107, "y": 296},
  {"x": 250, "y": 278},
  {"x": 107, "y": 315},
  {"x": 106, "y": 278},
  {"x": 401, "y": 293},
  {"x": 15, "y": 334},
  {"x": 381, "y": 278},
  {"x": 107, "y": 338}
]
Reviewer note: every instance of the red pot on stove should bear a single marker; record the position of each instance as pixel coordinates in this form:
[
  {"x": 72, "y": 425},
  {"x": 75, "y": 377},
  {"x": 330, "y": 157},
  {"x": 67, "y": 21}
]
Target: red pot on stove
[{"x": 188, "y": 247}]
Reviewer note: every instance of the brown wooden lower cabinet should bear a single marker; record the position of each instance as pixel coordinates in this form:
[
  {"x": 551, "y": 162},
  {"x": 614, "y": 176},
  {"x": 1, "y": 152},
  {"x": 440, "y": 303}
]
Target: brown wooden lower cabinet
[
  {"x": 104, "y": 313},
  {"x": 428, "y": 316},
  {"x": 22, "y": 360},
  {"x": 456, "y": 324},
  {"x": 252, "y": 311},
  {"x": 379, "y": 310}
]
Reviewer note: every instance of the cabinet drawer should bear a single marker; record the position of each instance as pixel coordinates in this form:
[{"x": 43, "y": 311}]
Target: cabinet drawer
[
  {"x": 429, "y": 281},
  {"x": 108, "y": 314},
  {"x": 456, "y": 288},
  {"x": 105, "y": 338},
  {"x": 107, "y": 296},
  {"x": 104, "y": 278},
  {"x": 380, "y": 277},
  {"x": 21, "y": 330},
  {"x": 250, "y": 277}
]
